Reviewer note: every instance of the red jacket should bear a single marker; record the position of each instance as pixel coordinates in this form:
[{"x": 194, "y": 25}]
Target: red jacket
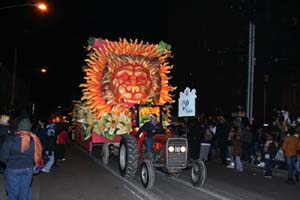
[{"x": 62, "y": 137}]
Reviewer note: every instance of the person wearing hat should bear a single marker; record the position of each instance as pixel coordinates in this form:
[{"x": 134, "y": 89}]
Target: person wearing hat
[
  {"x": 151, "y": 128},
  {"x": 20, "y": 152}
]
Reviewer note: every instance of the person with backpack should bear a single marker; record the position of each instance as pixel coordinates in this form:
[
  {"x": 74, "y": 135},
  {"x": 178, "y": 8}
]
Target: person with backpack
[{"x": 206, "y": 142}]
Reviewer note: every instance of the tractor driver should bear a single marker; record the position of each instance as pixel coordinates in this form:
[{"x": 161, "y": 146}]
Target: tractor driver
[{"x": 152, "y": 127}]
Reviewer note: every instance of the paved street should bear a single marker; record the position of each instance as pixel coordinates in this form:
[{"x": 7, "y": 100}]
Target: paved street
[
  {"x": 79, "y": 178},
  {"x": 84, "y": 177}
]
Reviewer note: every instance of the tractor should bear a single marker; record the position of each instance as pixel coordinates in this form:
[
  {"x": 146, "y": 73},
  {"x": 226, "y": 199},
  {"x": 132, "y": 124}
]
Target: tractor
[{"x": 170, "y": 152}]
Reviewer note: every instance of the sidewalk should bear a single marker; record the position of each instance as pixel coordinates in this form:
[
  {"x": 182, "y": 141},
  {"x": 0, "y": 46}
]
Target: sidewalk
[
  {"x": 256, "y": 169},
  {"x": 276, "y": 172}
]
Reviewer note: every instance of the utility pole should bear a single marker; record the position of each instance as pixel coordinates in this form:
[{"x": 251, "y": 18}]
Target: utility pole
[
  {"x": 14, "y": 77},
  {"x": 41, "y": 7},
  {"x": 251, "y": 63}
]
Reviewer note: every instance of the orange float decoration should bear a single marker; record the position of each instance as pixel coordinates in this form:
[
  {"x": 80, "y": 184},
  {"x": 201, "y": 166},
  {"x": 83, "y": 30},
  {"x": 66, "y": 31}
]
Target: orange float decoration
[{"x": 118, "y": 75}]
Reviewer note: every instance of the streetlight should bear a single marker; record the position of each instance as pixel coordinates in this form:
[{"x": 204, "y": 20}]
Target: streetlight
[
  {"x": 41, "y": 6},
  {"x": 43, "y": 70}
]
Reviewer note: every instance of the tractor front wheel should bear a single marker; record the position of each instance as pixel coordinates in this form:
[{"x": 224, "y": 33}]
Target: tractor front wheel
[
  {"x": 147, "y": 174},
  {"x": 198, "y": 173}
]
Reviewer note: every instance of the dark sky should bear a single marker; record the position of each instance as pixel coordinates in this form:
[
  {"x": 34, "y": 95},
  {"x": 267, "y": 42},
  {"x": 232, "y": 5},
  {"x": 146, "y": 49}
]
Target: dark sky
[
  {"x": 56, "y": 39},
  {"x": 209, "y": 40}
]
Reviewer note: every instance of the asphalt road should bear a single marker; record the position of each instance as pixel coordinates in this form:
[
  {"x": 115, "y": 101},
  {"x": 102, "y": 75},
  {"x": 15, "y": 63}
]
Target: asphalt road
[
  {"x": 222, "y": 183},
  {"x": 83, "y": 177},
  {"x": 79, "y": 178}
]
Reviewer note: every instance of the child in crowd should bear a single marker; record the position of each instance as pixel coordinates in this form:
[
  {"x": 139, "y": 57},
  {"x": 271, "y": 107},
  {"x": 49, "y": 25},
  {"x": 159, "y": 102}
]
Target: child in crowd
[
  {"x": 269, "y": 155},
  {"x": 237, "y": 152},
  {"x": 230, "y": 146}
]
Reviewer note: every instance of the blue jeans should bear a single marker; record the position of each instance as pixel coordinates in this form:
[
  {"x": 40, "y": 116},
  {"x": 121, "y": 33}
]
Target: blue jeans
[
  {"x": 268, "y": 167},
  {"x": 290, "y": 161},
  {"x": 230, "y": 154},
  {"x": 50, "y": 162},
  {"x": 149, "y": 144},
  {"x": 238, "y": 163},
  {"x": 18, "y": 183}
]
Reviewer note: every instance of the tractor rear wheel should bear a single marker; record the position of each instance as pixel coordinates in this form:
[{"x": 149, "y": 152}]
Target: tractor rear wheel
[{"x": 128, "y": 156}]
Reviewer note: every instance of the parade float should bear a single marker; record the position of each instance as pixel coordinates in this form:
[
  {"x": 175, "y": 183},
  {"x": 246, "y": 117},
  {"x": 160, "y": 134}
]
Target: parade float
[
  {"x": 126, "y": 82},
  {"x": 118, "y": 75}
]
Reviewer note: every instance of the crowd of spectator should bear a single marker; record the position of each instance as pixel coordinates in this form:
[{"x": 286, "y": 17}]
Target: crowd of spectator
[{"x": 235, "y": 140}]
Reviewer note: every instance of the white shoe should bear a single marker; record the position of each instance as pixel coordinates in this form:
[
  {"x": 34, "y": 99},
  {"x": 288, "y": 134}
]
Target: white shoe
[
  {"x": 261, "y": 164},
  {"x": 43, "y": 170},
  {"x": 231, "y": 165}
]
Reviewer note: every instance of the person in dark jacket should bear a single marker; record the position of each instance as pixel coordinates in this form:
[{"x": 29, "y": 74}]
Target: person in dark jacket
[
  {"x": 50, "y": 149},
  {"x": 195, "y": 135},
  {"x": 4, "y": 128},
  {"x": 20, "y": 152},
  {"x": 42, "y": 132},
  {"x": 4, "y": 131},
  {"x": 221, "y": 137},
  {"x": 269, "y": 155},
  {"x": 151, "y": 127}
]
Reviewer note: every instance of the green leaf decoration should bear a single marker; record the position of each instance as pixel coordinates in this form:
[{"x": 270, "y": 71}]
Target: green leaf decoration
[
  {"x": 162, "y": 45},
  {"x": 122, "y": 123},
  {"x": 91, "y": 40},
  {"x": 109, "y": 136}
]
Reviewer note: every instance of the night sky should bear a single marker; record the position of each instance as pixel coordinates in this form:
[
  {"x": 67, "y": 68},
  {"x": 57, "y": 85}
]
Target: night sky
[{"x": 209, "y": 41}]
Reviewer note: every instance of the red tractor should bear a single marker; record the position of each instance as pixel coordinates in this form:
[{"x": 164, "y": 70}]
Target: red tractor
[{"x": 170, "y": 152}]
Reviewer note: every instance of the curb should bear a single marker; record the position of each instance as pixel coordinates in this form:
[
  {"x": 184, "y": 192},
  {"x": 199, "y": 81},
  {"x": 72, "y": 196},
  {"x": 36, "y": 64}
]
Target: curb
[{"x": 275, "y": 172}]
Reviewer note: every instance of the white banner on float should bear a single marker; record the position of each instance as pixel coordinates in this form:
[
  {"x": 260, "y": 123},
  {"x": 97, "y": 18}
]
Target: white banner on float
[{"x": 187, "y": 103}]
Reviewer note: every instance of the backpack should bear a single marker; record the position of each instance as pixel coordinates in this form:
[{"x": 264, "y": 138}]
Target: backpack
[{"x": 208, "y": 136}]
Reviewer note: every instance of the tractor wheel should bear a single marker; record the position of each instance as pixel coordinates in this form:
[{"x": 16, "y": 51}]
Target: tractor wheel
[
  {"x": 128, "y": 156},
  {"x": 198, "y": 173},
  {"x": 147, "y": 174},
  {"x": 105, "y": 153}
]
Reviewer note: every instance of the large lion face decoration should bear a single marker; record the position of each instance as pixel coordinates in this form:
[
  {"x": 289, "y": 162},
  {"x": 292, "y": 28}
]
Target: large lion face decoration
[{"x": 121, "y": 74}]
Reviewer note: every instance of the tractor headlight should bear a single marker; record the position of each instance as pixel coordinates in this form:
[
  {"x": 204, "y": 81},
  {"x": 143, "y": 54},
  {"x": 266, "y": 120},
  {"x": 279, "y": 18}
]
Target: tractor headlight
[
  {"x": 171, "y": 149},
  {"x": 183, "y": 149}
]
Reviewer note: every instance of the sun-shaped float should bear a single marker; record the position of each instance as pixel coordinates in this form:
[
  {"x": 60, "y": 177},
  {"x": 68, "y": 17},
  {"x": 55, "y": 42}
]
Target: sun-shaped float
[{"x": 122, "y": 73}]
